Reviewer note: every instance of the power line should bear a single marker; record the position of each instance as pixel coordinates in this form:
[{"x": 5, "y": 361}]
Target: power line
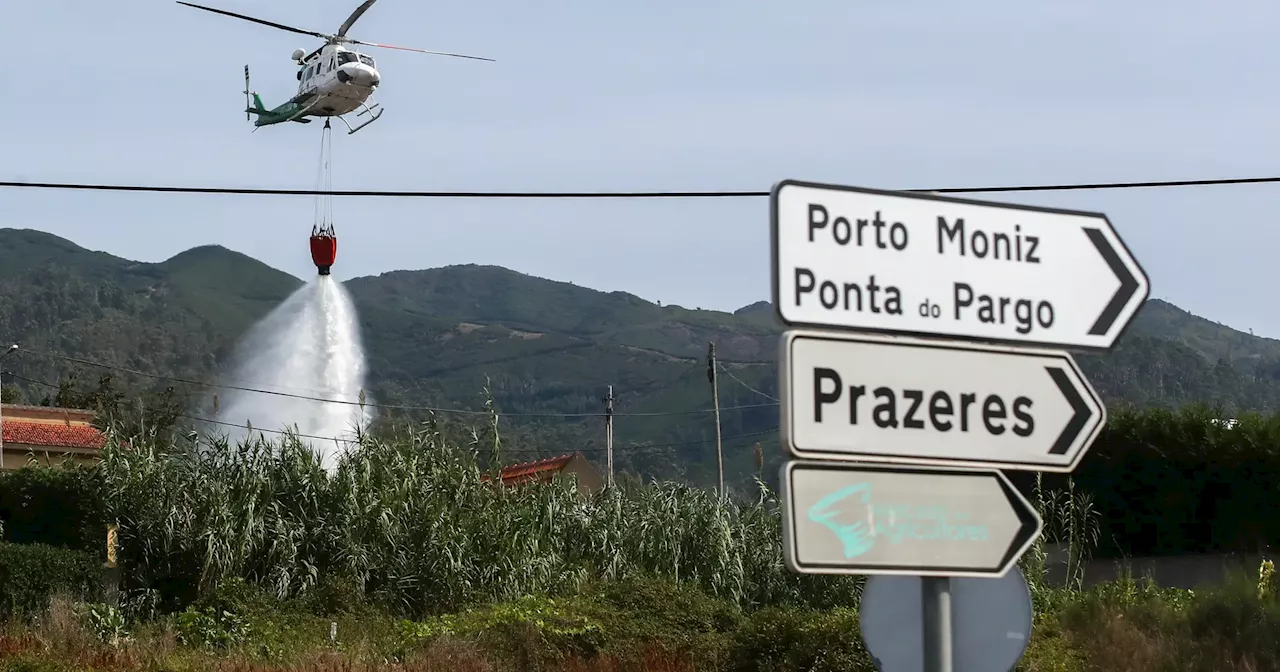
[
  {"x": 606, "y": 194},
  {"x": 740, "y": 382},
  {"x": 394, "y": 407},
  {"x": 633, "y": 449},
  {"x": 183, "y": 415}
]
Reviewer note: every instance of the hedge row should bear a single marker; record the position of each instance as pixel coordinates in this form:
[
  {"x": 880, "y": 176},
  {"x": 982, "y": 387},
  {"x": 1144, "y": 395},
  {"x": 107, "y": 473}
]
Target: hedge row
[
  {"x": 1180, "y": 482},
  {"x": 58, "y": 506},
  {"x": 32, "y": 574},
  {"x": 1164, "y": 483}
]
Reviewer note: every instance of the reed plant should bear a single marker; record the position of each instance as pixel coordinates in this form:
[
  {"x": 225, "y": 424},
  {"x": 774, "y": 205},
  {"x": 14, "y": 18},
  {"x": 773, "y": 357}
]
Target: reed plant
[{"x": 418, "y": 524}]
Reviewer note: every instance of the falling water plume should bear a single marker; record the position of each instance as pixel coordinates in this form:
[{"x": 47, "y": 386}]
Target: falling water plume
[{"x": 309, "y": 346}]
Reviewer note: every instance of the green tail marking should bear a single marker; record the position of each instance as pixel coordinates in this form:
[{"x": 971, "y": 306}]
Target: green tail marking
[{"x": 285, "y": 112}]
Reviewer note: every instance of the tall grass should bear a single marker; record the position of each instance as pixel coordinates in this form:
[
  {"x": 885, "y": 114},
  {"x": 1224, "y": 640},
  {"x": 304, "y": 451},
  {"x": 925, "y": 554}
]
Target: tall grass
[
  {"x": 415, "y": 523},
  {"x": 1070, "y": 521}
]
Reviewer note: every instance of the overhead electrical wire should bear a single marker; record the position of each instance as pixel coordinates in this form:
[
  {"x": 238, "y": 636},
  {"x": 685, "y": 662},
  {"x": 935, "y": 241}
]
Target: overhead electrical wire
[
  {"x": 394, "y": 407},
  {"x": 739, "y": 381},
  {"x": 642, "y": 448},
  {"x": 55, "y": 386},
  {"x": 608, "y": 194}
]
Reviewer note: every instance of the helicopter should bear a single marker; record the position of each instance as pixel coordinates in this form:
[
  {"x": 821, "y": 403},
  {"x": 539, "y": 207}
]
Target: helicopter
[{"x": 333, "y": 81}]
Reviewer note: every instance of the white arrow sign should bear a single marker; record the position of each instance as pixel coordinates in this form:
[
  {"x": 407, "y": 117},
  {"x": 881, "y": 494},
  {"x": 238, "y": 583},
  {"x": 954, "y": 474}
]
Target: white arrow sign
[
  {"x": 885, "y": 519},
  {"x": 893, "y": 399},
  {"x": 897, "y": 262}
]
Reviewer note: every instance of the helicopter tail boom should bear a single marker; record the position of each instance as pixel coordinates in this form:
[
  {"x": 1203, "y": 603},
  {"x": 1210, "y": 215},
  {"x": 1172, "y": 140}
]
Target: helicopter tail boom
[{"x": 253, "y": 105}]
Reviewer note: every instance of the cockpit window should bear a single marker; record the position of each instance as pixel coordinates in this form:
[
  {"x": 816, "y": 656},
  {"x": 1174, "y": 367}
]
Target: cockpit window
[
  {"x": 346, "y": 57},
  {"x": 366, "y": 60}
]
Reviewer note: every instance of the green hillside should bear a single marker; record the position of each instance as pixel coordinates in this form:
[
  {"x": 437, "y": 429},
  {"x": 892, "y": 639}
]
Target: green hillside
[{"x": 433, "y": 338}]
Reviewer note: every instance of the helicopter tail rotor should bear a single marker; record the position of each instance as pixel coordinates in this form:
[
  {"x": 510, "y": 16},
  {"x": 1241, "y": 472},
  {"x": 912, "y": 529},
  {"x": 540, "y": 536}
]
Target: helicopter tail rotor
[{"x": 248, "y": 97}]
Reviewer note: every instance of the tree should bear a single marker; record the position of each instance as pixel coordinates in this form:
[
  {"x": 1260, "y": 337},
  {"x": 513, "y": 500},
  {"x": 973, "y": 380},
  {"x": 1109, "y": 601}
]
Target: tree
[
  {"x": 9, "y": 394},
  {"x": 157, "y": 411}
]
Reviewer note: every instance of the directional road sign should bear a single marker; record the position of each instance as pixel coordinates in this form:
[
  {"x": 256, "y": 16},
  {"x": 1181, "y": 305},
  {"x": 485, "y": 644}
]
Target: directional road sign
[
  {"x": 990, "y": 622},
  {"x": 889, "y": 519},
  {"x": 923, "y": 264},
  {"x": 874, "y": 398}
]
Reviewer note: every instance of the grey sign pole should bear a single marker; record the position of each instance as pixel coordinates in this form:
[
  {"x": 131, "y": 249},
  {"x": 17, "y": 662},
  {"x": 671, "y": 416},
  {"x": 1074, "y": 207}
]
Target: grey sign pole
[
  {"x": 991, "y": 622},
  {"x": 935, "y": 597}
]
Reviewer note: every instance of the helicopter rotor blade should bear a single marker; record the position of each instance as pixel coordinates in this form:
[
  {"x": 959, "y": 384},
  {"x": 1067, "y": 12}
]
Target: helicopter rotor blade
[
  {"x": 420, "y": 51},
  {"x": 355, "y": 16},
  {"x": 264, "y": 22}
]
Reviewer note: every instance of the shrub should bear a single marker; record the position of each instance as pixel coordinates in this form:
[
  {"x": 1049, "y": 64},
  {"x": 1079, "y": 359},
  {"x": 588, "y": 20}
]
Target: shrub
[
  {"x": 55, "y": 505},
  {"x": 31, "y": 574},
  {"x": 1171, "y": 482},
  {"x": 647, "y": 614},
  {"x": 212, "y": 628},
  {"x": 531, "y": 632},
  {"x": 1236, "y": 620},
  {"x": 787, "y": 639}
]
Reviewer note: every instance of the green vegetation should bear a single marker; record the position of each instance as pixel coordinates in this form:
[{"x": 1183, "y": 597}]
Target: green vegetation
[
  {"x": 1125, "y": 626},
  {"x": 409, "y": 525},
  {"x": 30, "y": 574},
  {"x": 56, "y": 507},
  {"x": 251, "y": 557},
  {"x": 1178, "y": 482}
]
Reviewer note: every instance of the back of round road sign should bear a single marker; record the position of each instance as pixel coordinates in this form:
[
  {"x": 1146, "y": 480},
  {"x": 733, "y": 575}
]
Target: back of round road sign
[{"x": 991, "y": 622}]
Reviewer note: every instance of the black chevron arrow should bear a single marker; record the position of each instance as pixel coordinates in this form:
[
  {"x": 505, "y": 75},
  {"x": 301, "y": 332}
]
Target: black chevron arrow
[
  {"x": 1029, "y": 527},
  {"x": 1128, "y": 283},
  {"x": 1080, "y": 410}
]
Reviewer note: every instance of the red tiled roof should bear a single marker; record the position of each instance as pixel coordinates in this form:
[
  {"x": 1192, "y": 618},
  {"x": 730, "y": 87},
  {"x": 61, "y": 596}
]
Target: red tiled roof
[
  {"x": 52, "y": 435},
  {"x": 528, "y": 471}
]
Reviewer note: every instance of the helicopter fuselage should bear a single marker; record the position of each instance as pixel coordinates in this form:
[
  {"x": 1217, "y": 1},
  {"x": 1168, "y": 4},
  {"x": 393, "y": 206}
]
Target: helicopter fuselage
[{"x": 335, "y": 81}]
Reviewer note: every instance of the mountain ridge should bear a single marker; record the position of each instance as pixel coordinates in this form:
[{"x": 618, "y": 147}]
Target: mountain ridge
[{"x": 437, "y": 337}]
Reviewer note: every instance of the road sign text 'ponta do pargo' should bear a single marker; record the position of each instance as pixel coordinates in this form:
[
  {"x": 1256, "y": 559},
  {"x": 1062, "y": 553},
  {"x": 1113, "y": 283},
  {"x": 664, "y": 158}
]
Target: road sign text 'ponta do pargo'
[{"x": 923, "y": 264}]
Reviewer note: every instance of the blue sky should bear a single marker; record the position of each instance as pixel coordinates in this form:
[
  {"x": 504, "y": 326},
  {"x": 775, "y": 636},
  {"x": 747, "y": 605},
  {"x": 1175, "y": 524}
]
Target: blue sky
[{"x": 655, "y": 95}]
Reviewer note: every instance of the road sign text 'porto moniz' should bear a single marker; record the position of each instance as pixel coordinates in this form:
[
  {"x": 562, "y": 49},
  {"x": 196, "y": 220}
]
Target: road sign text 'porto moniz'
[{"x": 896, "y": 262}]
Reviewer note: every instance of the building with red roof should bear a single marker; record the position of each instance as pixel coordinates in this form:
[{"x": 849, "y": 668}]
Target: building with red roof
[
  {"x": 543, "y": 471},
  {"x": 47, "y": 433}
]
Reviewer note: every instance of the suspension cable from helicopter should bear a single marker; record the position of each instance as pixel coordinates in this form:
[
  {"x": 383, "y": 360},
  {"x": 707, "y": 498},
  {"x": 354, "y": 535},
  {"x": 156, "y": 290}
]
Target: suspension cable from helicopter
[{"x": 324, "y": 183}]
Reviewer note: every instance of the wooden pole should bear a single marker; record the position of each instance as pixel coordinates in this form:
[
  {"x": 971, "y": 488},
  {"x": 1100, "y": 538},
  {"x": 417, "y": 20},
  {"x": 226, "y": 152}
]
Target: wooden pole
[{"x": 715, "y": 398}]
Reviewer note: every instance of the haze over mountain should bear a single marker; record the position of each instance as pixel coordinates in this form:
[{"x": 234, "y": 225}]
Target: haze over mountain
[{"x": 434, "y": 337}]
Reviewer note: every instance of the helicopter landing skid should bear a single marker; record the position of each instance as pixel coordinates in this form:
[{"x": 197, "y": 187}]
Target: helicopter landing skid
[{"x": 367, "y": 110}]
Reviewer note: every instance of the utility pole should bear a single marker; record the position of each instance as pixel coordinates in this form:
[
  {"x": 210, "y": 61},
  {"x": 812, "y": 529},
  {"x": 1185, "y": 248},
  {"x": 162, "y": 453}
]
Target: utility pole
[
  {"x": 12, "y": 349},
  {"x": 715, "y": 398},
  {"x": 608, "y": 431}
]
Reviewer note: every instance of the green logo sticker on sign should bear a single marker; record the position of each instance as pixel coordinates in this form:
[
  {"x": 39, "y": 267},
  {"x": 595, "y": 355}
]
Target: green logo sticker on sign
[{"x": 869, "y": 520}]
